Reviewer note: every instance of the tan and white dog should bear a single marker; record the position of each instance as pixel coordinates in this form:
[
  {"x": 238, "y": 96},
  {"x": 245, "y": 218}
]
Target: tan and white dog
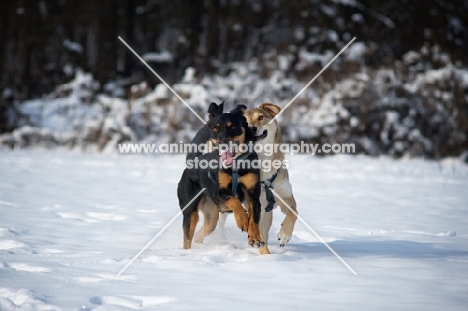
[{"x": 277, "y": 179}]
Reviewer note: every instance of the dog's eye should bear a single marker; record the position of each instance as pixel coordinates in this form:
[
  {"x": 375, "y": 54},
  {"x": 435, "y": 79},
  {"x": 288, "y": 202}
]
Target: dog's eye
[
  {"x": 260, "y": 118},
  {"x": 216, "y": 129}
]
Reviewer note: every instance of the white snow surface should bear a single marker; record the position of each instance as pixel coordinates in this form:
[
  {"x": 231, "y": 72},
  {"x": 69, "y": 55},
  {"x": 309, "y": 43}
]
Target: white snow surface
[{"x": 69, "y": 222}]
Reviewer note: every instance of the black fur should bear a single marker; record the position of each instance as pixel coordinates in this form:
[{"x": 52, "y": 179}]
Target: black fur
[
  {"x": 195, "y": 179},
  {"x": 204, "y": 134}
]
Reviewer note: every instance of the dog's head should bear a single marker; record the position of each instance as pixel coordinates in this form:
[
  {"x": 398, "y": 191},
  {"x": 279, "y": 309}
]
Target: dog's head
[
  {"x": 258, "y": 120},
  {"x": 228, "y": 129}
]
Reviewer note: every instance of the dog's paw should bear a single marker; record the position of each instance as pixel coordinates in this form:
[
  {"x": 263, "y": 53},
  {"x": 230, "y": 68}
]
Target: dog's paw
[
  {"x": 260, "y": 244},
  {"x": 264, "y": 250},
  {"x": 283, "y": 237},
  {"x": 198, "y": 238},
  {"x": 256, "y": 242}
]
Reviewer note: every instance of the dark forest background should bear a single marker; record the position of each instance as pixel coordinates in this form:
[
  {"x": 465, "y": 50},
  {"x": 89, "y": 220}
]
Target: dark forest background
[
  {"x": 44, "y": 42},
  {"x": 37, "y": 36}
]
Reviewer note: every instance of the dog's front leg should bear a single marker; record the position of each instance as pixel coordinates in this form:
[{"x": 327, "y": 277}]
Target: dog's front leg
[
  {"x": 266, "y": 220},
  {"x": 252, "y": 189},
  {"x": 287, "y": 227},
  {"x": 233, "y": 204},
  {"x": 254, "y": 208}
]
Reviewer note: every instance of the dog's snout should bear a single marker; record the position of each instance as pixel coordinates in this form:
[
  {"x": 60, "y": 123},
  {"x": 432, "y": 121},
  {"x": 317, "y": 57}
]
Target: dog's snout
[{"x": 253, "y": 128}]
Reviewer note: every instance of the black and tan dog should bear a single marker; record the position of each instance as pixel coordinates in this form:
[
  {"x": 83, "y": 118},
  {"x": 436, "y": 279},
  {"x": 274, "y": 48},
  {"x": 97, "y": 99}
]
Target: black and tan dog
[
  {"x": 220, "y": 194},
  {"x": 272, "y": 179}
]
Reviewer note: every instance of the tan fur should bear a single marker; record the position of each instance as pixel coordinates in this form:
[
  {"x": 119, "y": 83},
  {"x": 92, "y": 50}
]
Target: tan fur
[
  {"x": 270, "y": 108},
  {"x": 210, "y": 218},
  {"x": 254, "y": 229},
  {"x": 242, "y": 220},
  {"x": 266, "y": 220},
  {"x": 260, "y": 117},
  {"x": 224, "y": 180},
  {"x": 193, "y": 224},
  {"x": 249, "y": 180},
  {"x": 267, "y": 111}
]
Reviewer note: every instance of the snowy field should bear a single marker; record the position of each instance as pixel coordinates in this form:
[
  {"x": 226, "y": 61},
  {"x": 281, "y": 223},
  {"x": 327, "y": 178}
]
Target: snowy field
[{"x": 69, "y": 222}]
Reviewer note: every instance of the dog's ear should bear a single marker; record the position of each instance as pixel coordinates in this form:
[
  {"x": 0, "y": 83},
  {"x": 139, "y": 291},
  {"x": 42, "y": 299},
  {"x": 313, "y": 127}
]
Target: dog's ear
[
  {"x": 239, "y": 109},
  {"x": 214, "y": 110},
  {"x": 273, "y": 109}
]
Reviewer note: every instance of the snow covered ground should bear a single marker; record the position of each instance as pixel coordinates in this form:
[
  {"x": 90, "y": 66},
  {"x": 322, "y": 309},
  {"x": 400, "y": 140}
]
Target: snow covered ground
[{"x": 69, "y": 222}]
